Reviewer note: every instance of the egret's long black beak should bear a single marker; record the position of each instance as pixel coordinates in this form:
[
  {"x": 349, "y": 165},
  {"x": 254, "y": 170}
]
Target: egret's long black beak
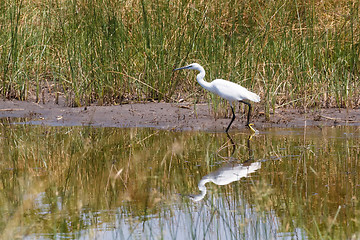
[{"x": 186, "y": 67}]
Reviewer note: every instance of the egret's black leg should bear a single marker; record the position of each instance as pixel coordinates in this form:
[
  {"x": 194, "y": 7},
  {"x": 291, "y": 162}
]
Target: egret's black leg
[
  {"x": 233, "y": 118},
  {"x": 248, "y": 116}
]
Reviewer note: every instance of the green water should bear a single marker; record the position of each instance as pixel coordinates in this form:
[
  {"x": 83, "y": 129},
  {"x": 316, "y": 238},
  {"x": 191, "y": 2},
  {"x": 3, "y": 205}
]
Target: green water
[{"x": 108, "y": 183}]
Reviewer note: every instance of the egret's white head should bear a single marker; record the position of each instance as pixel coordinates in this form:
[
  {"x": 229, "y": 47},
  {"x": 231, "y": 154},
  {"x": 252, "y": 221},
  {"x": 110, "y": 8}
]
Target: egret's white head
[{"x": 194, "y": 66}]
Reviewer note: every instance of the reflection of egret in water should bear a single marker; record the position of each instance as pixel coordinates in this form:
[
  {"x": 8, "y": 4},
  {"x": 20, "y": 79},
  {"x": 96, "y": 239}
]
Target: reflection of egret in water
[{"x": 229, "y": 173}]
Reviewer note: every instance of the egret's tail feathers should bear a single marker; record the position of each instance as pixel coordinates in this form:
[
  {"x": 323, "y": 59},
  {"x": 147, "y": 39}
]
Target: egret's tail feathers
[{"x": 253, "y": 97}]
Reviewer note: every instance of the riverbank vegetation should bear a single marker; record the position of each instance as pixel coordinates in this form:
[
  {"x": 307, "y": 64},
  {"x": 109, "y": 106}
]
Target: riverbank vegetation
[{"x": 293, "y": 53}]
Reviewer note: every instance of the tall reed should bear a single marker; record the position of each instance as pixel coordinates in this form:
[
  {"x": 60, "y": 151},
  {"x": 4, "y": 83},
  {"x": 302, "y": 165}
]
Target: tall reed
[{"x": 293, "y": 53}]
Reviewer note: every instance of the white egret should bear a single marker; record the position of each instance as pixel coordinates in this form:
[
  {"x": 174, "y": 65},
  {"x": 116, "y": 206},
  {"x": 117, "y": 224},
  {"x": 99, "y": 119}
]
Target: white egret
[{"x": 228, "y": 90}]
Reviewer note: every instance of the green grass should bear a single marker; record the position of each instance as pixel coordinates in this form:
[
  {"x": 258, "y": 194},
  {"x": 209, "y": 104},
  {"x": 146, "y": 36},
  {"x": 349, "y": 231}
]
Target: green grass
[{"x": 293, "y": 53}]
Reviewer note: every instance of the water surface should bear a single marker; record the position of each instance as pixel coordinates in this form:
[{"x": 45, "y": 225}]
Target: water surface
[{"x": 110, "y": 183}]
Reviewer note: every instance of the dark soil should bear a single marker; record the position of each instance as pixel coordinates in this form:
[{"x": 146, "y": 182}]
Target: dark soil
[{"x": 179, "y": 117}]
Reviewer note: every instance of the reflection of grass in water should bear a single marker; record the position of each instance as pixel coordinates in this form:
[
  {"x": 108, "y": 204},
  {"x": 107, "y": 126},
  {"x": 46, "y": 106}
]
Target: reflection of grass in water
[
  {"x": 79, "y": 167},
  {"x": 314, "y": 182},
  {"x": 64, "y": 180}
]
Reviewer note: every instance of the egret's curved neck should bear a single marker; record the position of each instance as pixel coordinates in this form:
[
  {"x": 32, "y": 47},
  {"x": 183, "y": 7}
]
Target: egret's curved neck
[
  {"x": 202, "y": 183},
  {"x": 201, "y": 81}
]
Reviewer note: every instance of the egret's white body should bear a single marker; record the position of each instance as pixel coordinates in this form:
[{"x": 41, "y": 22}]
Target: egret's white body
[
  {"x": 225, "y": 89},
  {"x": 231, "y": 91}
]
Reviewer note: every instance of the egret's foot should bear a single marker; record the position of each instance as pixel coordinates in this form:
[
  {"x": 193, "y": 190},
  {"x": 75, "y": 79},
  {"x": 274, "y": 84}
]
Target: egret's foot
[{"x": 255, "y": 132}]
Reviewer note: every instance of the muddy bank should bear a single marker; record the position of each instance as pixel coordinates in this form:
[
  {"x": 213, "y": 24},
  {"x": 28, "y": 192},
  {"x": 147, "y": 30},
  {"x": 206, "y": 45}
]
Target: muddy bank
[{"x": 168, "y": 116}]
